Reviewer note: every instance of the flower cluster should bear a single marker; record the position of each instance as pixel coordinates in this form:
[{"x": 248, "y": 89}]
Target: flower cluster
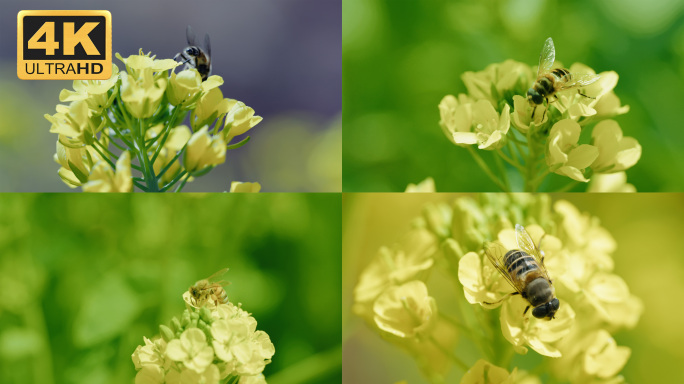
[
  {"x": 496, "y": 116},
  {"x": 133, "y": 121},
  {"x": 211, "y": 344},
  {"x": 393, "y": 294}
]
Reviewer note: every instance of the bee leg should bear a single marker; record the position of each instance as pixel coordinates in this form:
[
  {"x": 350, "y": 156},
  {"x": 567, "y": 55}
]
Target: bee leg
[
  {"x": 582, "y": 94},
  {"x": 547, "y": 107},
  {"x": 526, "y": 309},
  {"x": 502, "y": 299},
  {"x": 533, "y": 111}
]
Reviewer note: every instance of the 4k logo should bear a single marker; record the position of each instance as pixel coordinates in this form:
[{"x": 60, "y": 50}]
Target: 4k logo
[{"x": 64, "y": 45}]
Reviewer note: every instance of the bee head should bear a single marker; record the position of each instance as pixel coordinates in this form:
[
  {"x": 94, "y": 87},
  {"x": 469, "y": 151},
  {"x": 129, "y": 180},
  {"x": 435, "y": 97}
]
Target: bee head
[
  {"x": 547, "y": 310},
  {"x": 534, "y": 97},
  {"x": 192, "y": 51}
]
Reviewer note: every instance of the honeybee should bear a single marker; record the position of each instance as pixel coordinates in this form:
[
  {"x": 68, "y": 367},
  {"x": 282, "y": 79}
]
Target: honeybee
[
  {"x": 193, "y": 56},
  {"x": 208, "y": 290},
  {"x": 525, "y": 271},
  {"x": 551, "y": 81}
]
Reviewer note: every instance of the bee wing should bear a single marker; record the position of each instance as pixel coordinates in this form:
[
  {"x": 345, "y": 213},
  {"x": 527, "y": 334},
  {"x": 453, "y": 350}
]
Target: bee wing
[
  {"x": 190, "y": 35},
  {"x": 527, "y": 245},
  {"x": 547, "y": 57},
  {"x": 216, "y": 275},
  {"x": 495, "y": 253},
  {"x": 207, "y": 44},
  {"x": 580, "y": 80}
]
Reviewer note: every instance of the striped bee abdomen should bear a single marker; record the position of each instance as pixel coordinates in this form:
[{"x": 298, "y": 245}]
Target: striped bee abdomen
[
  {"x": 562, "y": 74},
  {"x": 519, "y": 264}
]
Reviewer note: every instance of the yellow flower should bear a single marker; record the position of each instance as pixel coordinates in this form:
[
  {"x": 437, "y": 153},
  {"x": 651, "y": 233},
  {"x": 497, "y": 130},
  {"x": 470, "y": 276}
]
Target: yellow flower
[
  {"x": 150, "y": 354},
  {"x": 484, "y": 372},
  {"x": 521, "y": 117},
  {"x": 237, "y": 342},
  {"x": 150, "y": 374},
  {"x": 191, "y": 350},
  {"x": 104, "y": 179},
  {"x": 480, "y": 281},
  {"x": 204, "y": 150},
  {"x": 455, "y": 116},
  {"x": 176, "y": 140},
  {"x": 94, "y": 92},
  {"x": 406, "y": 261},
  {"x": 240, "y": 119},
  {"x": 73, "y": 122},
  {"x": 405, "y": 311},
  {"x": 427, "y": 185},
  {"x": 76, "y": 162},
  {"x": 210, "y": 107},
  {"x": 141, "y": 65},
  {"x": 564, "y": 156},
  {"x": 211, "y": 82},
  {"x": 142, "y": 96},
  {"x": 574, "y": 106},
  {"x": 616, "y": 153},
  {"x": 590, "y": 356},
  {"x": 238, "y": 186},
  {"x": 476, "y": 123},
  {"x": 183, "y": 87},
  {"x": 256, "y": 379},
  {"x": 209, "y": 376},
  {"x": 499, "y": 80},
  {"x": 538, "y": 334},
  {"x": 610, "y": 182}
]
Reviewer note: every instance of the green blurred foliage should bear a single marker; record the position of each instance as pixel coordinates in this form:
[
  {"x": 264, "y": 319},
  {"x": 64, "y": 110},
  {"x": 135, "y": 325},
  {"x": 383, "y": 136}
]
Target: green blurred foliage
[
  {"x": 647, "y": 230},
  {"x": 84, "y": 277},
  {"x": 401, "y": 57}
]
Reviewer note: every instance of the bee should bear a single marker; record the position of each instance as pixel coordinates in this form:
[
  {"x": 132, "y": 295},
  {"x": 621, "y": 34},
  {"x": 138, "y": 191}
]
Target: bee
[
  {"x": 549, "y": 82},
  {"x": 208, "y": 290},
  {"x": 525, "y": 271},
  {"x": 193, "y": 56}
]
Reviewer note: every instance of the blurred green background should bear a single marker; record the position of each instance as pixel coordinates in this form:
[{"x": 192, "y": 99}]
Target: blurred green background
[
  {"x": 83, "y": 278},
  {"x": 401, "y": 57},
  {"x": 646, "y": 227}
]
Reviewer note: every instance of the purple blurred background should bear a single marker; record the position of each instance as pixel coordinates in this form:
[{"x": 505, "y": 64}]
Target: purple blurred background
[{"x": 280, "y": 57}]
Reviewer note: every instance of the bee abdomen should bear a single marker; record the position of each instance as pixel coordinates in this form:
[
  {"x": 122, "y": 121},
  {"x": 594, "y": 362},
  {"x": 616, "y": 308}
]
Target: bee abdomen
[
  {"x": 562, "y": 74},
  {"x": 519, "y": 263}
]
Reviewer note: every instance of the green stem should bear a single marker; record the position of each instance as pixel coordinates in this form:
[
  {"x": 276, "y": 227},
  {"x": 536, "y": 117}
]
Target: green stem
[
  {"x": 172, "y": 182},
  {"x": 165, "y": 133},
  {"x": 538, "y": 180},
  {"x": 148, "y": 170},
  {"x": 166, "y": 168},
  {"x": 502, "y": 169},
  {"x": 113, "y": 126},
  {"x": 141, "y": 186},
  {"x": 111, "y": 164},
  {"x": 510, "y": 161},
  {"x": 450, "y": 355},
  {"x": 106, "y": 150},
  {"x": 486, "y": 169},
  {"x": 568, "y": 186},
  {"x": 182, "y": 184}
]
